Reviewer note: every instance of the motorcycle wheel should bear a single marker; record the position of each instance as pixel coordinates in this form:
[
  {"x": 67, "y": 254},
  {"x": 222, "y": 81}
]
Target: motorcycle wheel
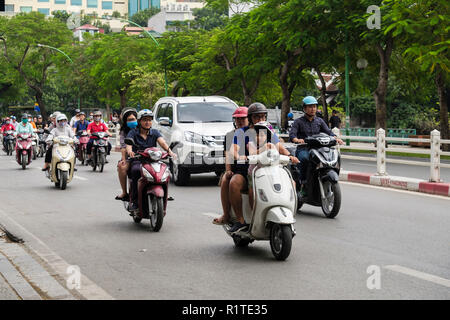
[
  {"x": 137, "y": 219},
  {"x": 180, "y": 175},
  {"x": 34, "y": 154},
  {"x": 332, "y": 202},
  {"x": 157, "y": 214},
  {"x": 280, "y": 240},
  {"x": 102, "y": 160},
  {"x": 94, "y": 162},
  {"x": 63, "y": 177},
  {"x": 24, "y": 161},
  {"x": 240, "y": 242}
]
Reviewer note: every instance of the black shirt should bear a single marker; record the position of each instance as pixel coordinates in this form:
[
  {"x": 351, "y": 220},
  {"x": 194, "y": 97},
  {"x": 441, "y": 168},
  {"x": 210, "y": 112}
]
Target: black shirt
[
  {"x": 142, "y": 143},
  {"x": 303, "y": 128},
  {"x": 335, "y": 122}
]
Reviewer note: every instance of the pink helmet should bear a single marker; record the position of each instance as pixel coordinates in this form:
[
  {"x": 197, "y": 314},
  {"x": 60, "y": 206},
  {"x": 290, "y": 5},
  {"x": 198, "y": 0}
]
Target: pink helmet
[{"x": 240, "y": 112}]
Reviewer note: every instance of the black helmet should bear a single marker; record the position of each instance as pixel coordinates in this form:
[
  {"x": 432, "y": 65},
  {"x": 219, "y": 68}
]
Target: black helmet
[{"x": 255, "y": 107}]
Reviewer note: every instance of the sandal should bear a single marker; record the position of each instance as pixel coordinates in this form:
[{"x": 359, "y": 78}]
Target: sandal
[
  {"x": 219, "y": 221},
  {"x": 124, "y": 198}
]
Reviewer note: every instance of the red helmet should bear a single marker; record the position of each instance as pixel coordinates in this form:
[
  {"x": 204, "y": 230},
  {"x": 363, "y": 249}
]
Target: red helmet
[{"x": 240, "y": 112}]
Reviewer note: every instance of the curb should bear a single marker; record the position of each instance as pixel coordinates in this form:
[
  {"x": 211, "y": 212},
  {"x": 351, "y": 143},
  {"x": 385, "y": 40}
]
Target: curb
[{"x": 403, "y": 183}]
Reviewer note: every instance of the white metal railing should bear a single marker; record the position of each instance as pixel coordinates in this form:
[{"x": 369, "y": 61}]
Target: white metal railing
[
  {"x": 434, "y": 151},
  {"x": 115, "y": 130}
]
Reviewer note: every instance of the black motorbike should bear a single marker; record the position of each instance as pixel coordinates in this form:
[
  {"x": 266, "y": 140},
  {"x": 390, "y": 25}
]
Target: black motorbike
[
  {"x": 322, "y": 177},
  {"x": 42, "y": 145},
  {"x": 9, "y": 142},
  {"x": 99, "y": 150}
]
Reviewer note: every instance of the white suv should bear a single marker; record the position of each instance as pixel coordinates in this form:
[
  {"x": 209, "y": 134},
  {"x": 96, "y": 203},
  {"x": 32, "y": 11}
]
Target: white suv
[{"x": 195, "y": 127}]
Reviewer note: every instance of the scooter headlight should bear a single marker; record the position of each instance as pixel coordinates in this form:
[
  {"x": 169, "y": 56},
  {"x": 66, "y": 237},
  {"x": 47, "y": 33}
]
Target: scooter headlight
[
  {"x": 147, "y": 175},
  {"x": 165, "y": 175},
  {"x": 66, "y": 158},
  {"x": 63, "y": 141}
]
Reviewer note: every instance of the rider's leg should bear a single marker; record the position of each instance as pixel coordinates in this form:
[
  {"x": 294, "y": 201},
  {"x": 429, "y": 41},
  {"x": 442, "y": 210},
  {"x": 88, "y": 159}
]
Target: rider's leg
[
  {"x": 303, "y": 156},
  {"x": 225, "y": 198},
  {"x": 122, "y": 170},
  {"x": 237, "y": 184},
  {"x": 89, "y": 148},
  {"x": 135, "y": 175},
  {"x": 48, "y": 157}
]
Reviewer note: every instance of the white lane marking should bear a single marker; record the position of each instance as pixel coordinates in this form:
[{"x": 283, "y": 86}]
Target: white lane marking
[
  {"x": 418, "y": 274},
  {"x": 80, "y": 178},
  {"x": 211, "y": 214},
  {"x": 415, "y": 193}
]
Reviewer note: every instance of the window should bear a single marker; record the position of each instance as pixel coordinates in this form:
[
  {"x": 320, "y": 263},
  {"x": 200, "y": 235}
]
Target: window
[
  {"x": 107, "y": 5},
  {"x": 169, "y": 112},
  {"x": 75, "y": 2},
  {"x": 205, "y": 112},
  {"x": 144, "y": 4},
  {"x": 156, "y": 3},
  {"x": 26, "y": 9},
  {"x": 92, "y": 3},
  {"x": 43, "y": 1},
  {"x": 60, "y": 1},
  {"x": 45, "y": 11},
  {"x": 9, "y": 7},
  {"x": 161, "y": 112}
]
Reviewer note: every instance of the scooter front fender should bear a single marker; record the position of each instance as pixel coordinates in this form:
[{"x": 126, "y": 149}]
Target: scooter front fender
[
  {"x": 156, "y": 190},
  {"x": 63, "y": 166},
  {"x": 331, "y": 176},
  {"x": 280, "y": 215}
]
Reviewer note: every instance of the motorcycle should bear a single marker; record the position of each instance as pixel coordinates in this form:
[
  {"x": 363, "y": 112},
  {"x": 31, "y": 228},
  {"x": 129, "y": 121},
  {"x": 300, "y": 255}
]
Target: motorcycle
[
  {"x": 82, "y": 147},
  {"x": 24, "y": 149},
  {"x": 152, "y": 187},
  {"x": 272, "y": 217},
  {"x": 9, "y": 141},
  {"x": 63, "y": 162},
  {"x": 42, "y": 145},
  {"x": 99, "y": 150},
  {"x": 34, "y": 146},
  {"x": 322, "y": 177}
]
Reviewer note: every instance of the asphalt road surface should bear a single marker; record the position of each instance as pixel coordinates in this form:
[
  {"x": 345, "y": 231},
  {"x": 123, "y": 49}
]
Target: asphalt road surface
[{"x": 403, "y": 235}]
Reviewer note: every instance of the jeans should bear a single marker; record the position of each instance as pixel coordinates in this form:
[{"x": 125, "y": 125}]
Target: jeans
[{"x": 303, "y": 156}]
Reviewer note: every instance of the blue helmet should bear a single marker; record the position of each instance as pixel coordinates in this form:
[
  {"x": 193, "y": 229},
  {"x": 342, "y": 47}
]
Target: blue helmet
[
  {"x": 290, "y": 115},
  {"x": 309, "y": 100}
]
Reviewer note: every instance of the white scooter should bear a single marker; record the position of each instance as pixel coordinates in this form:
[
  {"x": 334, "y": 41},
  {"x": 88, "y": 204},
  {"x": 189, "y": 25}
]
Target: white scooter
[{"x": 274, "y": 205}]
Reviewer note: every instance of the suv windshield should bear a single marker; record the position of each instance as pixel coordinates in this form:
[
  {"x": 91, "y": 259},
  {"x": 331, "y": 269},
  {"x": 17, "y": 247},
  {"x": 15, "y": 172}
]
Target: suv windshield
[{"x": 205, "y": 112}]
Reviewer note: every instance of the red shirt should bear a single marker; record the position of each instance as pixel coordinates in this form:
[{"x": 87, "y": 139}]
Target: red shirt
[
  {"x": 93, "y": 127},
  {"x": 7, "y": 127}
]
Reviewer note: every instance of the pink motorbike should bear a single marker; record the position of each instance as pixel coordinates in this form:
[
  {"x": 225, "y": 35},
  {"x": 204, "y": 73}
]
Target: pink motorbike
[{"x": 24, "y": 149}]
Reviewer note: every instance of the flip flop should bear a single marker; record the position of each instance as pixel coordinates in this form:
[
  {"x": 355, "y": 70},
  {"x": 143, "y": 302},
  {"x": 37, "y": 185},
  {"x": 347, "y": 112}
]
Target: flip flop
[{"x": 124, "y": 198}]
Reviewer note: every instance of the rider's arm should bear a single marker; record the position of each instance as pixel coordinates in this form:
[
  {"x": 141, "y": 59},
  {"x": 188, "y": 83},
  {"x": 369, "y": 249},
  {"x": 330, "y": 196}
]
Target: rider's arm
[
  {"x": 294, "y": 130},
  {"x": 165, "y": 146}
]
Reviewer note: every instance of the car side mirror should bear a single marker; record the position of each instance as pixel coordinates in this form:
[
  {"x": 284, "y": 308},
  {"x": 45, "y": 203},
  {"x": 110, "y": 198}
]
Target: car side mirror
[
  {"x": 165, "y": 121},
  {"x": 129, "y": 142}
]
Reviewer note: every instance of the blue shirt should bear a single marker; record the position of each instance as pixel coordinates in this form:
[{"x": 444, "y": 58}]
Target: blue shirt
[
  {"x": 303, "y": 128},
  {"x": 142, "y": 143},
  {"x": 81, "y": 126}
]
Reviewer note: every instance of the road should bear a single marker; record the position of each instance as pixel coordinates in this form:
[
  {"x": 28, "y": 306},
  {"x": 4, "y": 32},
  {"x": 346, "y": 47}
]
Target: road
[{"x": 190, "y": 258}]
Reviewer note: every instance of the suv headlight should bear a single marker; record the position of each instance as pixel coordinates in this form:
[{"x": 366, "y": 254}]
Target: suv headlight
[{"x": 193, "y": 137}]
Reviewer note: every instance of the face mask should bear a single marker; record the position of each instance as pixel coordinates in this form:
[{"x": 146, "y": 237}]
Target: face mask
[
  {"x": 62, "y": 123},
  {"x": 132, "y": 124},
  {"x": 24, "y": 121},
  {"x": 8, "y": 122}
]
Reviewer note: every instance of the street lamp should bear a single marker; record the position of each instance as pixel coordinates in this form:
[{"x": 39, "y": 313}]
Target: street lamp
[
  {"x": 157, "y": 43},
  {"x": 68, "y": 58}
]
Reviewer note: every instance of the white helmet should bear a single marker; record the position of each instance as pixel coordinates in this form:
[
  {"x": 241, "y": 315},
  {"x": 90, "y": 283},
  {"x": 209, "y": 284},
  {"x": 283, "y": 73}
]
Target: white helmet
[
  {"x": 144, "y": 113},
  {"x": 60, "y": 117}
]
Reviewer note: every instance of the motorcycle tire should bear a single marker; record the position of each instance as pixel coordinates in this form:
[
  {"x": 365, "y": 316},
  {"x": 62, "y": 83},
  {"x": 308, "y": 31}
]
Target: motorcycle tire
[
  {"x": 34, "y": 154},
  {"x": 102, "y": 160},
  {"x": 63, "y": 179},
  {"x": 157, "y": 215},
  {"x": 280, "y": 240},
  {"x": 24, "y": 161},
  {"x": 84, "y": 157},
  {"x": 180, "y": 175},
  {"x": 329, "y": 210}
]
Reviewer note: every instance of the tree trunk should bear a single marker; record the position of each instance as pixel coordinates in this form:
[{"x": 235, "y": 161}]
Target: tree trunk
[
  {"x": 38, "y": 95},
  {"x": 123, "y": 98},
  {"x": 381, "y": 91},
  {"x": 443, "y": 113},
  {"x": 323, "y": 90},
  {"x": 287, "y": 88},
  {"x": 108, "y": 109}
]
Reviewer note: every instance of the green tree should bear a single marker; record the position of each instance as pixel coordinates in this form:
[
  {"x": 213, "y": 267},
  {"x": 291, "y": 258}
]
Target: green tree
[
  {"x": 209, "y": 18},
  {"x": 61, "y": 15},
  {"x": 141, "y": 17},
  {"x": 19, "y": 38}
]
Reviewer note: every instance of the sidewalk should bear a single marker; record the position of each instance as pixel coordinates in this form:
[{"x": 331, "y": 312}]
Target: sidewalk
[
  {"x": 24, "y": 278},
  {"x": 411, "y": 184}
]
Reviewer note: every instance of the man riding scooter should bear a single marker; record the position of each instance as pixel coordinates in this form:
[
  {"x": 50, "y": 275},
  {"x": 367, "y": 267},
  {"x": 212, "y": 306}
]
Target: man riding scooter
[
  {"x": 96, "y": 126},
  {"x": 257, "y": 112},
  {"x": 143, "y": 137},
  {"x": 304, "y": 127},
  {"x": 5, "y": 128}
]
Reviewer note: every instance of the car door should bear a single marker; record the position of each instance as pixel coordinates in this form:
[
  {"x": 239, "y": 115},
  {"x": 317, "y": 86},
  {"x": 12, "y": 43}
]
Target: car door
[{"x": 161, "y": 111}]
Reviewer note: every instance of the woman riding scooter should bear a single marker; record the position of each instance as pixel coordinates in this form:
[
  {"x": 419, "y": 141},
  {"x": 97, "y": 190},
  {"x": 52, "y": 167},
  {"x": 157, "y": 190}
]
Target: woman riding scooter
[{"x": 143, "y": 137}]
